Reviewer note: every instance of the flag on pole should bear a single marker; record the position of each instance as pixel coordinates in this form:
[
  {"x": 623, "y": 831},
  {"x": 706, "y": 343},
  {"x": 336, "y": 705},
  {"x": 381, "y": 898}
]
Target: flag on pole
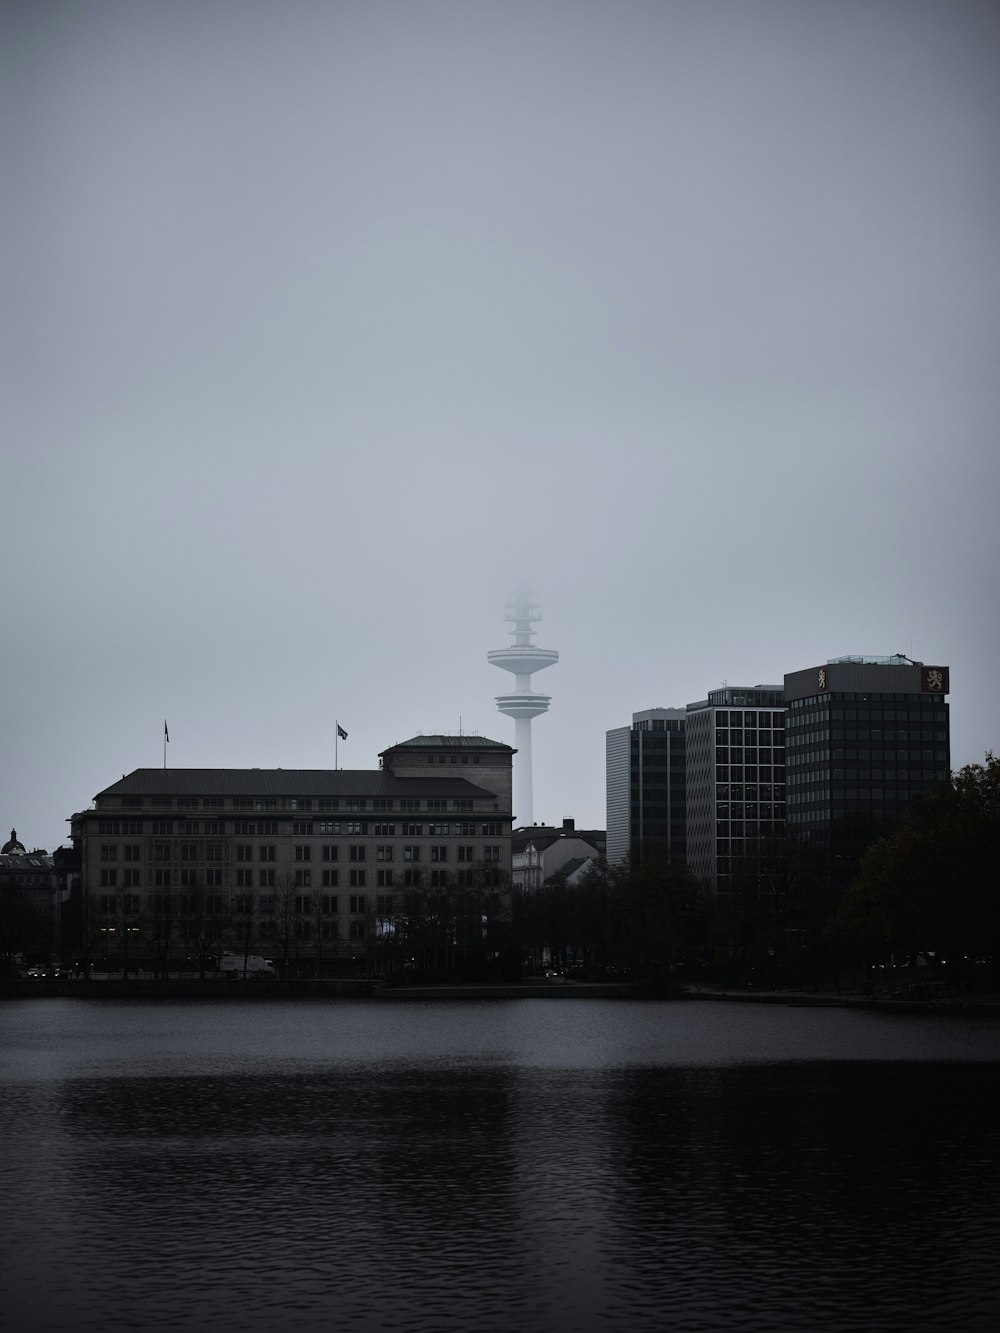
[
  {"x": 166, "y": 733},
  {"x": 341, "y": 732}
]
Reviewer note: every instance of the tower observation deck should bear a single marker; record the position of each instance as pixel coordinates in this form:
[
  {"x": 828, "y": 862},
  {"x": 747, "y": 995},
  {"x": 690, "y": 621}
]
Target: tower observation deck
[{"x": 523, "y": 659}]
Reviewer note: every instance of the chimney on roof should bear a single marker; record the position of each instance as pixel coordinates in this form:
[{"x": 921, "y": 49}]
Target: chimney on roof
[{"x": 569, "y": 825}]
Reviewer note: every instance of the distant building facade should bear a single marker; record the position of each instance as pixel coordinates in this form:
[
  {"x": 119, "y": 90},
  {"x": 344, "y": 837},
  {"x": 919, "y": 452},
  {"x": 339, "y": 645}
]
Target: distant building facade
[
  {"x": 645, "y": 776},
  {"x": 540, "y": 852},
  {"x": 863, "y": 737},
  {"x": 29, "y": 907},
  {"x": 304, "y": 864},
  {"x": 735, "y": 779}
]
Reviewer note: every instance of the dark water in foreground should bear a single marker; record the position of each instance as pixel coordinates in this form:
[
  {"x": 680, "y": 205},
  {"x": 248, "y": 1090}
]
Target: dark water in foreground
[{"x": 516, "y": 1165}]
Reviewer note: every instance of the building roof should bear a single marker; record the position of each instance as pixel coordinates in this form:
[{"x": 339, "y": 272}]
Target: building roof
[
  {"x": 449, "y": 743},
  {"x": 569, "y": 869},
  {"x": 286, "y": 782},
  {"x": 541, "y": 836},
  {"x": 13, "y": 847}
]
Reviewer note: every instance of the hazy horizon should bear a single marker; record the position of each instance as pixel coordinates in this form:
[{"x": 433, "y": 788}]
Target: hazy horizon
[{"x": 329, "y": 326}]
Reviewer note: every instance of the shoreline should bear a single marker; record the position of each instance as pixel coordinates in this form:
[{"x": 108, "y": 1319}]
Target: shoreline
[{"x": 147, "y": 988}]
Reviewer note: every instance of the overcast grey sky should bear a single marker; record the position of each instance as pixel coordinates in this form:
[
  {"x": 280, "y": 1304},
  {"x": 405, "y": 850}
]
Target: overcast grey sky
[{"x": 327, "y": 324}]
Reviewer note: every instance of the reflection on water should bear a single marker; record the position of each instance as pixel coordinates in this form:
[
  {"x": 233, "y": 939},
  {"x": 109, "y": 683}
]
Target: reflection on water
[{"x": 517, "y": 1167}]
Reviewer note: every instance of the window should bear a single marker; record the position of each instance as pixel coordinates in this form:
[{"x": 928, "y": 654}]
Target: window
[
  {"x": 186, "y": 904},
  {"x": 213, "y": 876},
  {"x": 409, "y": 805},
  {"x": 108, "y": 904},
  {"x": 267, "y": 828},
  {"x": 330, "y": 852},
  {"x": 383, "y": 853},
  {"x": 357, "y": 879},
  {"x": 244, "y": 877},
  {"x": 163, "y": 826},
  {"x": 439, "y": 878},
  {"x": 330, "y": 879},
  {"x": 435, "y": 804},
  {"x": 243, "y": 903},
  {"x": 303, "y": 878},
  {"x": 438, "y": 830},
  {"x": 383, "y": 878},
  {"x": 303, "y": 930},
  {"x": 356, "y": 804},
  {"x": 130, "y": 877},
  {"x": 266, "y": 879},
  {"x": 303, "y": 904},
  {"x": 161, "y": 878},
  {"x": 108, "y": 826},
  {"x": 385, "y": 830},
  {"x": 109, "y": 878},
  {"x": 492, "y": 830},
  {"x": 328, "y": 803},
  {"x": 329, "y": 826},
  {"x": 412, "y": 830},
  {"x": 303, "y": 853},
  {"x": 265, "y": 904},
  {"x": 358, "y": 902},
  {"x": 267, "y": 852},
  {"x": 383, "y": 903},
  {"x": 411, "y": 879},
  {"x": 161, "y": 904},
  {"x": 461, "y": 805},
  {"x": 188, "y": 826},
  {"x": 213, "y": 851},
  {"x": 109, "y": 852},
  {"x": 411, "y": 853},
  {"x": 216, "y": 826},
  {"x": 328, "y": 930},
  {"x": 264, "y": 803},
  {"x": 329, "y": 904},
  {"x": 465, "y": 830},
  {"x": 244, "y": 851},
  {"x": 357, "y": 826},
  {"x": 300, "y": 803},
  {"x": 491, "y": 853},
  {"x": 439, "y": 853},
  {"x": 381, "y": 804},
  {"x": 189, "y": 851},
  {"x": 302, "y": 827},
  {"x": 357, "y": 851},
  {"x": 357, "y": 930},
  {"x": 466, "y": 853},
  {"x": 214, "y": 904}
]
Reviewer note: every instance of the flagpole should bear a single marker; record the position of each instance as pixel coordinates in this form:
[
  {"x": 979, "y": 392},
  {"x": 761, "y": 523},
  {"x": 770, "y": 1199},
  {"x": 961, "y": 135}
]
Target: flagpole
[{"x": 336, "y": 742}]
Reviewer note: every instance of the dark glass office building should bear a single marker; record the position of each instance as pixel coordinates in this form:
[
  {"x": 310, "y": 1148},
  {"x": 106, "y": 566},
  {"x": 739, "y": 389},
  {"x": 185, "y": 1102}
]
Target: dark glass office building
[
  {"x": 863, "y": 736},
  {"x": 646, "y": 794},
  {"x": 735, "y": 781}
]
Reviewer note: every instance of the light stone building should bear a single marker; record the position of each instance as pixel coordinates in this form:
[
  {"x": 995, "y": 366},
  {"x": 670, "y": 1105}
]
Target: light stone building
[{"x": 203, "y": 854}]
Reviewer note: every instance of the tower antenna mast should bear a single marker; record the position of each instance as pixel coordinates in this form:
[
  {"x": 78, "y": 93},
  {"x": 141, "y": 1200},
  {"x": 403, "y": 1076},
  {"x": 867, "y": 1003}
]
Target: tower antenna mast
[{"x": 523, "y": 659}]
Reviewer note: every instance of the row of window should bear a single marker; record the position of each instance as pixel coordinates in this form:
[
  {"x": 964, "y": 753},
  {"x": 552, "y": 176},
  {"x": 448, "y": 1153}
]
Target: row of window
[
  {"x": 322, "y": 804},
  {"x": 302, "y": 878},
  {"x": 303, "y": 828},
  {"x": 358, "y": 852}
]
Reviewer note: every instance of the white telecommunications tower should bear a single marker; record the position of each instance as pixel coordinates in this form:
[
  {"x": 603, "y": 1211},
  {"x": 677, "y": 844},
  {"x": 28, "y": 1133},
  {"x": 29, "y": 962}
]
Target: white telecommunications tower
[{"x": 523, "y": 659}]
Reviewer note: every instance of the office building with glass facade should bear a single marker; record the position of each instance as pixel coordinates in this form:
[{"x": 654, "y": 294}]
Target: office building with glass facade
[
  {"x": 863, "y": 737},
  {"x": 735, "y": 746},
  {"x": 645, "y": 775}
]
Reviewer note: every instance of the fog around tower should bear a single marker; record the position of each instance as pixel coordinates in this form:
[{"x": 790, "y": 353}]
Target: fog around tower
[{"x": 333, "y": 327}]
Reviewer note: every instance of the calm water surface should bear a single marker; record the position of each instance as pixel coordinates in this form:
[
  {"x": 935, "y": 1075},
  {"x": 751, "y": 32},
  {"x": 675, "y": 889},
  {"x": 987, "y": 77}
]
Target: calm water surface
[{"x": 517, "y": 1165}]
